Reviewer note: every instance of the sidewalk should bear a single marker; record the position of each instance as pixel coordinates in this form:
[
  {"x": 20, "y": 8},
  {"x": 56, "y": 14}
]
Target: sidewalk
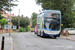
[
  {"x": 70, "y": 37},
  {"x": 8, "y": 44}
]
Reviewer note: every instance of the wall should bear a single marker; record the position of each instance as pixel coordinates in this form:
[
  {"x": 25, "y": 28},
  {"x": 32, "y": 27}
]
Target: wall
[{"x": 5, "y": 31}]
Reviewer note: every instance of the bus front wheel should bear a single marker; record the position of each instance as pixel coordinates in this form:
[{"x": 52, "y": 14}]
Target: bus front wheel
[{"x": 55, "y": 37}]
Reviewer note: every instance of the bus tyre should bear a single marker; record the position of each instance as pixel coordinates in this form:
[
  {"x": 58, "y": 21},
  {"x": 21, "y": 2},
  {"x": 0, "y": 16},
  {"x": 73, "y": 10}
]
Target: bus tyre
[
  {"x": 41, "y": 35},
  {"x": 37, "y": 34},
  {"x": 54, "y": 37}
]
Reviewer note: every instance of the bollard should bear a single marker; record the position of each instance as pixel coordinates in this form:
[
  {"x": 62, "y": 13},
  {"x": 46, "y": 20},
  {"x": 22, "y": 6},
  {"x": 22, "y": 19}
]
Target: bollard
[
  {"x": 63, "y": 33},
  {"x": 2, "y": 46}
]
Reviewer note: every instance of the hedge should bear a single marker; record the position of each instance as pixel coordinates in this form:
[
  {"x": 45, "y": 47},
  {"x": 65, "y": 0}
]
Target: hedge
[{"x": 21, "y": 29}]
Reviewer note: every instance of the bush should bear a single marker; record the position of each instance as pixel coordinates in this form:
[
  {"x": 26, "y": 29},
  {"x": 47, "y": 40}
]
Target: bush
[
  {"x": 20, "y": 29},
  {"x": 24, "y": 29},
  {"x": 28, "y": 28}
]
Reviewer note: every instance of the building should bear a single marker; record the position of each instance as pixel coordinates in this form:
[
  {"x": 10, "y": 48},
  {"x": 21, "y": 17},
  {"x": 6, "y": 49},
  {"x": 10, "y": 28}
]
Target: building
[{"x": 7, "y": 16}]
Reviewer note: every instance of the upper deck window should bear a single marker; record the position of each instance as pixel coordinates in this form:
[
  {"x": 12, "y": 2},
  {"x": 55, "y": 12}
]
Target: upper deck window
[{"x": 52, "y": 14}]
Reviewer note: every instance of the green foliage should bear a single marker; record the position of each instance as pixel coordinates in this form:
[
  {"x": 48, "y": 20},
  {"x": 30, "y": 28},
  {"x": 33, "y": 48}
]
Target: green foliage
[
  {"x": 67, "y": 35},
  {"x": 34, "y": 17},
  {"x": 24, "y": 21},
  {"x": 0, "y": 22},
  {"x": 4, "y": 4},
  {"x": 28, "y": 28},
  {"x": 3, "y": 22},
  {"x": 24, "y": 30},
  {"x": 22, "y": 15},
  {"x": 15, "y": 21},
  {"x": 21, "y": 29},
  {"x": 1, "y": 16},
  {"x": 65, "y": 6}
]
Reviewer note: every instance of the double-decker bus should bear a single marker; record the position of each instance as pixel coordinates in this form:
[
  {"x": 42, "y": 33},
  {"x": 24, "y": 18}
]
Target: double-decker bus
[{"x": 49, "y": 23}]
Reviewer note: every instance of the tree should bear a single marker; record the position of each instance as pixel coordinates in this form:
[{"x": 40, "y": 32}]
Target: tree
[
  {"x": 34, "y": 17},
  {"x": 1, "y": 16},
  {"x": 65, "y": 6},
  {"x": 24, "y": 21},
  {"x": 22, "y": 15},
  {"x": 3, "y": 22},
  {"x": 4, "y": 4},
  {"x": 14, "y": 20}
]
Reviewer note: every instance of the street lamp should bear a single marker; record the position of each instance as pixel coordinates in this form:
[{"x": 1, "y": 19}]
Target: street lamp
[
  {"x": 19, "y": 19},
  {"x": 10, "y": 18}
]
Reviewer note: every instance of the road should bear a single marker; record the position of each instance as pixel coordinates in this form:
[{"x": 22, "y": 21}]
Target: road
[{"x": 30, "y": 41}]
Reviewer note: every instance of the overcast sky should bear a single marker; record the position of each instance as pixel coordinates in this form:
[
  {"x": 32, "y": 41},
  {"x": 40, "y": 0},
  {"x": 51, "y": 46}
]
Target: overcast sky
[{"x": 27, "y": 7}]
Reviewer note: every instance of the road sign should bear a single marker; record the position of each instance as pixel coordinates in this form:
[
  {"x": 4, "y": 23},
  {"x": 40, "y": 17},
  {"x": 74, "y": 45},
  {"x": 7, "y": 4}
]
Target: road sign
[
  {"x": 14, "y": 27},
  {"x": 6, "y": 26}
]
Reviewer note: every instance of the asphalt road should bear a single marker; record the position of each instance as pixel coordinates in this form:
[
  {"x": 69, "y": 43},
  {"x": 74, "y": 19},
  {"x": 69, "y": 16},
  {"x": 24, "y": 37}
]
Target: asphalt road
[{"x": 30, "y": 41}]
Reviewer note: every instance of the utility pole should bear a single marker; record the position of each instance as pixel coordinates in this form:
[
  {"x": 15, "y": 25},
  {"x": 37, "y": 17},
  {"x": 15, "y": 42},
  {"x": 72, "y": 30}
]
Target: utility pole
[
  {"x": 31, "y": 21},
  {"x": 10, "y": 18},
  {"x": 19, "y": 19}
]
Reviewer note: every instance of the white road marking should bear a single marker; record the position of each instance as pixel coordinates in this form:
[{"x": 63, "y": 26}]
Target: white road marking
[{"x": 11, "y": 43}]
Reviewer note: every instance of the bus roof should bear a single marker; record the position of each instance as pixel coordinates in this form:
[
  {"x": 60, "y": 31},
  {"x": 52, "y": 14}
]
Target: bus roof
[{"x": 52, "y": 10}]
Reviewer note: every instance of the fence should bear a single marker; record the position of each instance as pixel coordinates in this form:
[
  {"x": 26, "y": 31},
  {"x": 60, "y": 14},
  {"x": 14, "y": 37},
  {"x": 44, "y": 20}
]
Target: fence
[{"x": 5, "y": 31}]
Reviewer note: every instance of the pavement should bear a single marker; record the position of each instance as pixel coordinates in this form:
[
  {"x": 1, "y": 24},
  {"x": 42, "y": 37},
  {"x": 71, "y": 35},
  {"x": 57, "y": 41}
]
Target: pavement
[
  {"x": 8, "y": 44},
  {"x": 69, "y": 37}
]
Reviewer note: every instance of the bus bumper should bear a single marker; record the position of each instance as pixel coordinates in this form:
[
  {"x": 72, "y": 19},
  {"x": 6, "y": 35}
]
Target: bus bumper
[{"x": 56, "y": 35}]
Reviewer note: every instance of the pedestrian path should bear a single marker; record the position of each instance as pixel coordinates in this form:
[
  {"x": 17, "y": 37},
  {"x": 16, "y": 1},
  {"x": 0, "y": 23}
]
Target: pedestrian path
[
  {"x": 70, "y": 37},
  {"x": 0, "y": 42},
  {"x": 8, "y": 44}
]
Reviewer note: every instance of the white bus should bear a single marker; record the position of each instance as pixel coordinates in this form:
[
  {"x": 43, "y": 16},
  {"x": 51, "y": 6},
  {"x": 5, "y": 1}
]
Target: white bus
[{"x": 49, "y": 23}]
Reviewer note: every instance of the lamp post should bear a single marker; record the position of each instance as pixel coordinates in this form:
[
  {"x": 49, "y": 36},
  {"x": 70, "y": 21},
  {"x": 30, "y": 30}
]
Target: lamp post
[
  {"x": 10, "y": 18},
  {"x": 19, "y": 19}
]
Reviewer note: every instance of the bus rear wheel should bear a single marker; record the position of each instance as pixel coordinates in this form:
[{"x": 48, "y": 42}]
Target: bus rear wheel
[
  {"x": 37, "y": 34},
  {"x": 41, "y": 35}
]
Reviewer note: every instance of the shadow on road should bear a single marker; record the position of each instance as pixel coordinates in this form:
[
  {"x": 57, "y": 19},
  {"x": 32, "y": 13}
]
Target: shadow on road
[{"x": 47, "y": 37}]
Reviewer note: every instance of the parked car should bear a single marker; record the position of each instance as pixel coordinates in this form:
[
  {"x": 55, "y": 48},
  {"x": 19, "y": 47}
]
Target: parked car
[{"x": 70, "y": 30}]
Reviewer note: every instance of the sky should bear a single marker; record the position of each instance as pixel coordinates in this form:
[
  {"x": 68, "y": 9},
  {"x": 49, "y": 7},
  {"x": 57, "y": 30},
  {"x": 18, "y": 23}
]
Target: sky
[{"x": 27, "y": 7}]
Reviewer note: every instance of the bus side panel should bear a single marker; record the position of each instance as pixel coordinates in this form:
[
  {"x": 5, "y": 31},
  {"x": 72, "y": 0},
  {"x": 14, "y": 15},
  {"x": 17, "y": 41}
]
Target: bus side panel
[{"x": 39, "y": 21}]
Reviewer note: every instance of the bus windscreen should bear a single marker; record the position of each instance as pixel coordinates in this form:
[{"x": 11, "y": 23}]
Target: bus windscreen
[{"x": 52, "y": 21}]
